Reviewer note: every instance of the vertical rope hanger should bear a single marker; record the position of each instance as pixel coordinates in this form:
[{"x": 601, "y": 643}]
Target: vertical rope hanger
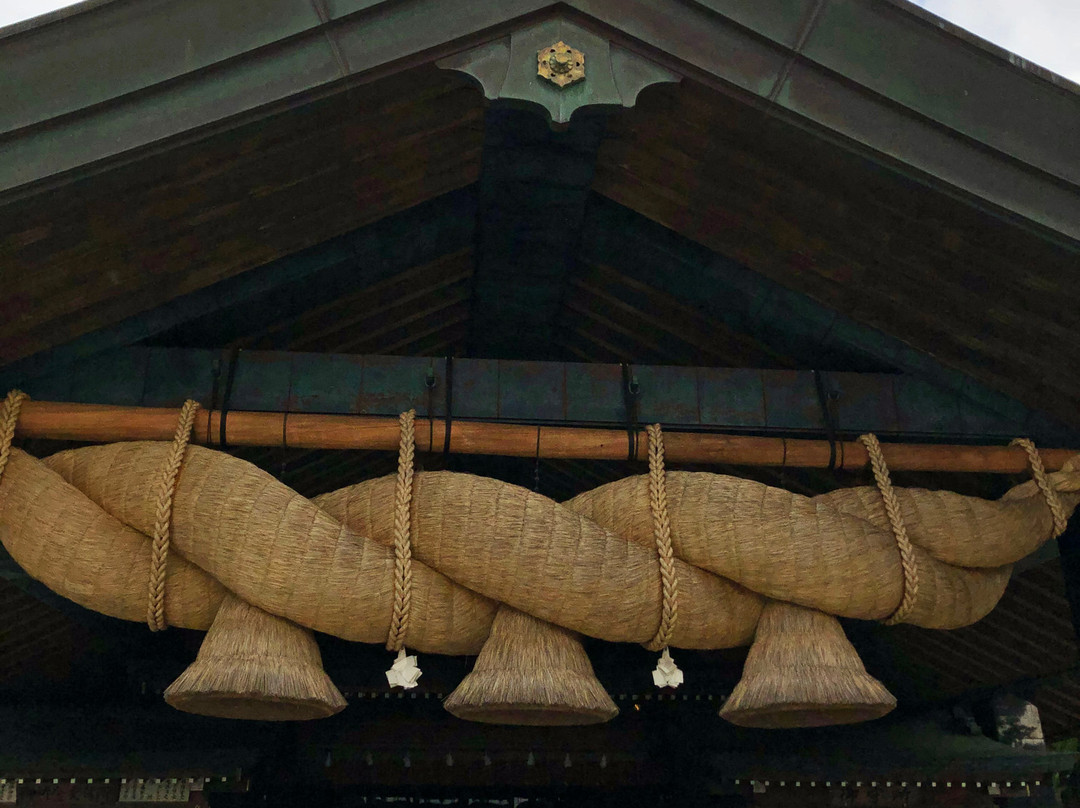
[
  {"x": 896, "y": 521},
  {"x": 1038, "y": 471},
  {"x": 908, "y": 563},
  {"x": 155, "y": 610},
  {"x": 667, "y": 673},
  {"x": 9, "y": 417},
  {"x": 403, "y": 487},
  {"x": 662, "y": 535},
  {"x": 159, "y": 556},
  {"x": 404, "y": 672}
]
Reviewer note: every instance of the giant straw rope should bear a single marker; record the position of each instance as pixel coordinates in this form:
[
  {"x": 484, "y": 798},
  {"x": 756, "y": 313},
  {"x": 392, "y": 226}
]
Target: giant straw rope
[{"x": 435, "y": 553}]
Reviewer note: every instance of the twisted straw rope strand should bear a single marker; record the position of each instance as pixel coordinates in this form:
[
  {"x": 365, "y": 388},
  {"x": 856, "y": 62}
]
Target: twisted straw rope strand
[
  {"x": 403, "y": 491},
  {"x": 155, "y": 608},
  {"x": 662, "y": 532},
  {"x": 1038, "y": 471},
  {"x": 896, "y": 522}
]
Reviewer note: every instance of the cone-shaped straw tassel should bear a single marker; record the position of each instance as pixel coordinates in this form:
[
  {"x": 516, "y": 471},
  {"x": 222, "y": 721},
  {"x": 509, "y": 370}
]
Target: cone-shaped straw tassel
[
  {"x": 533, "y": 673},
  {"x": 258, "y": 666},
  {"x": 802, "y": 672}
]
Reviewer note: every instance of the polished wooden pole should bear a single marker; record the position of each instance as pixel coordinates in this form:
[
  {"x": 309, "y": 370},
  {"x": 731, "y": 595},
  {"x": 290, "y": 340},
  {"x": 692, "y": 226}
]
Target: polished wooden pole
[{"x": 102, "y": 423}]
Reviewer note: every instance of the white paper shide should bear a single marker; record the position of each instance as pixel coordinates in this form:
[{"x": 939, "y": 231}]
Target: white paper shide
[{"x": 404, "y": 672}]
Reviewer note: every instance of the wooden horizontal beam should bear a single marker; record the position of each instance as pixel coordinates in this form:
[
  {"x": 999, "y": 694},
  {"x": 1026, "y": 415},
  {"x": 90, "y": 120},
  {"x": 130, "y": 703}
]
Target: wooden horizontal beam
[
  {"x": 756, "y": 401},
  {"x": 93, "y": 423}
]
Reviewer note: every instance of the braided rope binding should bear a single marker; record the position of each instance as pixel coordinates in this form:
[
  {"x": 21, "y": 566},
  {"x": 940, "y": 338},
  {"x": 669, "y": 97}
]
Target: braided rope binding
[
  {"x": 662, "y": 534},
  {"x": 896, "y": 521},
  {"x": 1038, "y": 471},
  {"x": 403, "y": 490},
  {"x": 155, "y": 608},
  {"x": 9, "y": 417}
]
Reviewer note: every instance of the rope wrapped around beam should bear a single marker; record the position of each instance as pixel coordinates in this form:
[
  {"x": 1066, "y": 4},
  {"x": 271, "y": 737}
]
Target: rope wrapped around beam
[
  {"x": 9, "y": 419},
  {"x": 155, "y": 609},
  {"x": 399, "y": 624},
  {"x": 669, "y": 579},
  {"x": 908, "y": 562},
  {"x": 1038, "y": 472}
]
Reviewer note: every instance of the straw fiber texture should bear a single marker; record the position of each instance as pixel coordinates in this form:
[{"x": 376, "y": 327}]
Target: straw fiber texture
[
  {"x": 277, "y": 550},
  {"x": 80, "y": 521},
  {"x": 802, "y": 672},
  {"x": 532, "y": 673},
  {"x": 256, "y": 666},
  {"x": 65, "y": 540},
  {"x": 520, "y": 548},
  {"x": 808, "y": 551}
]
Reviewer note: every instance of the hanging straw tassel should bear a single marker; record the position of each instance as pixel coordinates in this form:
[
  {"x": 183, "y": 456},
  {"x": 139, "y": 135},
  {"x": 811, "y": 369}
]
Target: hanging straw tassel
[
  {"x": 256, "y": 666},
  {"x": 667, "y": 673},
  {"x": 802, "y": 672},
  {"x": 251, "y": 664},
  {"x": 531, "y": 673},
  {"x": 404, "y": 672}
]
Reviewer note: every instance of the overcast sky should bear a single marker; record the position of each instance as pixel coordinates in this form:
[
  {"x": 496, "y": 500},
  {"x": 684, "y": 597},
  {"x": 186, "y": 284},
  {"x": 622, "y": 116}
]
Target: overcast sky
[{"x": 1046, "y": 32}]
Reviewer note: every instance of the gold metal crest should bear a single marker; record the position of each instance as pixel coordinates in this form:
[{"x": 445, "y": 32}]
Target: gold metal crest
[{"x": 561, "y": 64}]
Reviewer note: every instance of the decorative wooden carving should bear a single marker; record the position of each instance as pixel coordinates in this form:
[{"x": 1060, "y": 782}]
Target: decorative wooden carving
[
  {"x": 506, "y": 70},
  {"x": 560, "y": 64}
]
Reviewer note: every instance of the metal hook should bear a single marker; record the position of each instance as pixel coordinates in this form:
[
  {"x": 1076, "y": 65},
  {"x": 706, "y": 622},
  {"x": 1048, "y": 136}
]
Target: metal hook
[
  {"x": 429, "y": 383},
  {"x": 284, "y": 444},
  {"x": 630, "y": 399},
  {"x": 536, "y": 467},
  {"x": 827, "y": 414}
]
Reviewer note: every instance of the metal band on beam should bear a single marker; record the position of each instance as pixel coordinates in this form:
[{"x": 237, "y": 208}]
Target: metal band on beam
[{"x": 743, "y": 401}]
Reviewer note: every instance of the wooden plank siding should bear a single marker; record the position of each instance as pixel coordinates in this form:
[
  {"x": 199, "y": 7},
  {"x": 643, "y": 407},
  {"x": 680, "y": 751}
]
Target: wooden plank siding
[
  {"x": 1027, "y": 642},
  {"x": 165, "y": 226},
  {"x": 991, "y": 300},
  {"x": 609, "y": 316},
  {"x": 391, "y": 316}
]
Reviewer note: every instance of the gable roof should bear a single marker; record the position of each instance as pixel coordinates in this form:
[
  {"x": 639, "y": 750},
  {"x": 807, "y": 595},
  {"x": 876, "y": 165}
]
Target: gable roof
[
  {"x": 886, "y": 77},
  {"x": 859, "y": 152}
]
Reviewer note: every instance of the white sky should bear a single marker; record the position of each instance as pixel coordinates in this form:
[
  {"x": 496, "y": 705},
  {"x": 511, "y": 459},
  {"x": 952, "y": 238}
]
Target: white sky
[
  {"x": 1046, "y": 32},
  {"x": 15, "y": 10}
]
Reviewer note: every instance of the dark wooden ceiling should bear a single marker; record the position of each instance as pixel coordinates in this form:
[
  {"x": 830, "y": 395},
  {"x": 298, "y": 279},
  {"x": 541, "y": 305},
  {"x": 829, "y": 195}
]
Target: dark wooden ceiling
[
  {"x": 987, "y": 297},
  {"x": 85, "y": 256}
]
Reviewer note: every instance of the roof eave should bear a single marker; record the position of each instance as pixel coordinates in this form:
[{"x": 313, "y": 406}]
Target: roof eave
[{"x": 884, "y": 81}]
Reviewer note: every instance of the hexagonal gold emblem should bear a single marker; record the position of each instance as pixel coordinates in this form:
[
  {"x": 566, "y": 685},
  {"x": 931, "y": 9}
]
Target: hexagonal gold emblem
[{"x": 561, "y": 64}]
